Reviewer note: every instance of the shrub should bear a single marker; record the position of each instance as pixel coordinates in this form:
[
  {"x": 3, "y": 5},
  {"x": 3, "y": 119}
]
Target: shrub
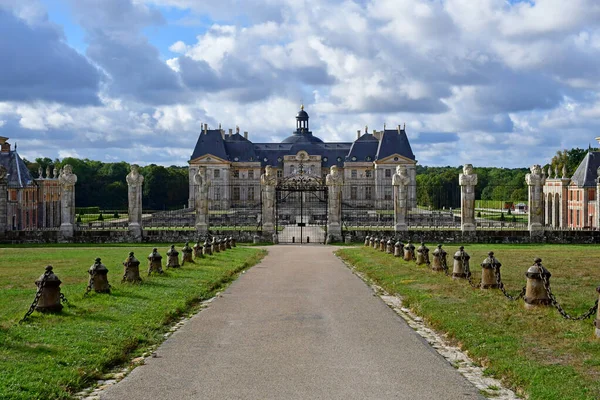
[
  {"x": 100, "y": 217},
  {"x": 478, "y": 214},
  {"x": 514, "y": 219},
  {"x": 509, "y": 212},
  {"x": 502, "y": 217},
  {"x": 116, "y": 215},
  {"x": 79, "y": 218}
]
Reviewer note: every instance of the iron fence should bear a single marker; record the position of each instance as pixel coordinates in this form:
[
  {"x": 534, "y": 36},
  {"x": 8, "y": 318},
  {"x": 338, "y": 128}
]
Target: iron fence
[
  {"x": 502, "y": 207},
  {"x": 367, "y": 206}
]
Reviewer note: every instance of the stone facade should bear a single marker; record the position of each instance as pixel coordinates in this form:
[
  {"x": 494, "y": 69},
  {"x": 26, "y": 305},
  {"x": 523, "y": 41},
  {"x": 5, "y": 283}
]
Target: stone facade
[{"x": 236, "y": 167}]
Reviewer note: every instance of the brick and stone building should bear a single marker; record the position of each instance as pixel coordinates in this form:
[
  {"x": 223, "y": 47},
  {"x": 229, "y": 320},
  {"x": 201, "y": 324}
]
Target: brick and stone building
[{"x": 32, "y": 203}]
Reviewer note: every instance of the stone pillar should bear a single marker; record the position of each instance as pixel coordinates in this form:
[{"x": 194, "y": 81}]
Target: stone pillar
[
  {"x": 201, "y": 198},
  {"x": 400, "y": 182},
  {"x": 597, "y": 210},
  {"x": 334, "y": 183},
  {"x": 467, "y": 181},
  {"x": 268, "y": 181},
  {"x": 3, "y": 200},
  {"x": 134, "y": 184},
  {"x": 535, "y": 180},
  {"x": 67, "y": 182}
]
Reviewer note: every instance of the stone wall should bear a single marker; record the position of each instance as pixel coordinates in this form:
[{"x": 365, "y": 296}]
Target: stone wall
[{"x": 429, "y": 236}]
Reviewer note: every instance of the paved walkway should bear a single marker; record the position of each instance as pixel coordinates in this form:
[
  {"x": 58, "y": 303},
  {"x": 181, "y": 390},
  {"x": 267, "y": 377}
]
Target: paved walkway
[{"x": 299, "y": 325}]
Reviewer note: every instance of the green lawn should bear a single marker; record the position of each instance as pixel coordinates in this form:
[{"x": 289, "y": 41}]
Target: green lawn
[
  {"x": 536, "y": 352},
  {"x": 53, "y": 356}
]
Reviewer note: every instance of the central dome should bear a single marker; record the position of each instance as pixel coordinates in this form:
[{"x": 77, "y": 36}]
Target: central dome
[
  {"x": 302, "y": 133},
  {"x": 306, "y": 137}
]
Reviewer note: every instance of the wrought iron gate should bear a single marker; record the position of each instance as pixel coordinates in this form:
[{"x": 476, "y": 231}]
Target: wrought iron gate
[{"x": 301, "y": 209}]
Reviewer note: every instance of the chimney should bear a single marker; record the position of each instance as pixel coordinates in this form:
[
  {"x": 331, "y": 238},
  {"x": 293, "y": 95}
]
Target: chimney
[
  {"x": 245, "y": 134},
  {"x": 399, "y": 130},
  {"x": 358, "y": 134},
  {"x": 4, "y": 145},
  {"x": 205, "y": 128},
  {"x": 230, "y": 132},
  {"x": 222, "y": 133}
]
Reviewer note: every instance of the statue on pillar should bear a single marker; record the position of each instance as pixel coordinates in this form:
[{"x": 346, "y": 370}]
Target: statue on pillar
[
  {"x": 334, "y": 183},
  {"x": 467, "y": 181},
  {"x": 400, "y": 182},
  {"x": 134, "y": 197},
  {"x": 268, "y": 182},
  {"x": 202, "y": 194},
  {"x": 67, "y": 181},
  {"x": 535, "y": 180}
]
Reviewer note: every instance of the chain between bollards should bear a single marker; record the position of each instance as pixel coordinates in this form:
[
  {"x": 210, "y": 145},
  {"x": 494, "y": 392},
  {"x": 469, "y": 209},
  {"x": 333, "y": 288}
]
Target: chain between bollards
[
  {"x": 468, "y": 274},
  {"x": 36, "y": 299},
  {"x": 501, "y": 286},
  {"x": 561, "y": 310}
]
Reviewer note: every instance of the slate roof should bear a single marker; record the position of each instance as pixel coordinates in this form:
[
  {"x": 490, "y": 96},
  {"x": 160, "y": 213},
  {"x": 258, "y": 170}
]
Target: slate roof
[
  {"x": 210, "y": 142},
  {"x": 586, "y": 173},
  {"x": 394, "y": 142},
  {"x": 17, "y": 172},
  {"x": 236, "y": 148}
]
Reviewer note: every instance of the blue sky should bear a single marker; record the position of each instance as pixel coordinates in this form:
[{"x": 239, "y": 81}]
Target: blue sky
[{"x": 492, "y": 82}]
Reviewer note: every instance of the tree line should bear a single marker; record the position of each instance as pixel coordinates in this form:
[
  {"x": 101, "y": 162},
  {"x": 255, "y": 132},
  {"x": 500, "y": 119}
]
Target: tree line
[{"x": 103, "y": 185}]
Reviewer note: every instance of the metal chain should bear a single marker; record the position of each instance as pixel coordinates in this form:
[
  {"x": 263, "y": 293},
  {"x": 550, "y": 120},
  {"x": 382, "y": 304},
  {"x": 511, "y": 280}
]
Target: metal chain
[
  {"x": 468, "y": 274},
  {"x": 557, "y": 305},
  {"x": 126, "y": 264},
  {"x": 63, "y": 298},
  {"x": 444, "y": 263},
  {"x": 501, "y": 285},
  {"x": 90, "y": 283},
  {"x": 427, "y": 261},
  {"x": 36, "y": 299}
]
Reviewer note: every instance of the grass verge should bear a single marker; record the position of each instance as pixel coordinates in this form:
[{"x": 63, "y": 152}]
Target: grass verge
[
  {"x": 536, "y": 352},
  {"x": 53, "y": 356}
]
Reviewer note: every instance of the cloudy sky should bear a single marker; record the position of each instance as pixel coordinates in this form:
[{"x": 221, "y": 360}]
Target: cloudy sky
[{"x": 490, "y": 82}]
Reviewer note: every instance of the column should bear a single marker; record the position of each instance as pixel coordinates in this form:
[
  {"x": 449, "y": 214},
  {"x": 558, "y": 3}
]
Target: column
[
  {"x": 268, "y": 181},
  {"x": 334, "y": 183},
  {"x": 467, "y": 181},
  {"x": 3, "y": 200},
  {"x": 134, "y": 198},
  {"x": 400, "y": 182},
  {"x": 67, "y": 182},
  {"x": 535, "y": 180},
  {"x": 201, "y": 199}
]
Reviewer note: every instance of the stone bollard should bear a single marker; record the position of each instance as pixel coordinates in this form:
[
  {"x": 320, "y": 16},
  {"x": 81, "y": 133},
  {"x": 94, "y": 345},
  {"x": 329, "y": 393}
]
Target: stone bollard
[
  {"x": 398, "y": 249},
  {"x": 132, "y": 269},
  {"x": 228, "y": 242},
  {"x": 198, "y": 250},
  {"x": 98, "y": 277},
  {"x": 382, "y": 245},
  {"x": 216, "y": 245},
  {"x": 372, "y": 241},
  {"x": 389, "y": 246},
  {"x": 256, "y": 239},
  {"x": 223, "y": 244},
  {"x": 187, "y": 256},
  {"x": 173, "y": 258},
  {"x": 439, "y": 259},
  {"x": 366, "y": 240},
  {"x": 49, "y": 286},
  {"x": 409, "y": 251},
  {"x": 207, "y": 248},
  {"x": 488, "y": 272},
  {"x": 347, "y": 239},
  {"x": 154, "y": 262},
  {"x": 461, "y": 264},
  {"x": 275, "y": 239},
  {"x": 597, "y": 321},
  {"x": 535, "y": 292},
  {"x": 422, "y": 254},
  {"x": 233, "y": 240}
]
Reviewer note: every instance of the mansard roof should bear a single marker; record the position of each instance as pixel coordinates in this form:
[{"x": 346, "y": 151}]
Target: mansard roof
[
  {"x": 17, "y": 172},
  {"x": 368, "y": 147},
  {"x": 210, "y": 142},
  {"x": 394, "y": 142},
  {"x": 586, "y": 173}
]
